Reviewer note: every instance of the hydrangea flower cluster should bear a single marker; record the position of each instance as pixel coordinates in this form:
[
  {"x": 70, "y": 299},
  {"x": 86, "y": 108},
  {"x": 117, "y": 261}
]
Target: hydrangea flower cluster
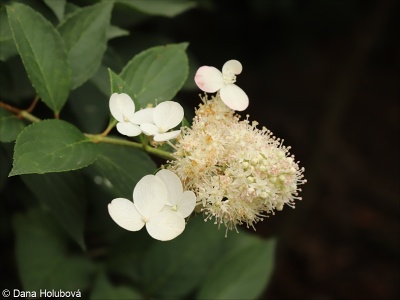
[
  {"x": 232, "y": 171},
  {"x": 239, "y": 173}
]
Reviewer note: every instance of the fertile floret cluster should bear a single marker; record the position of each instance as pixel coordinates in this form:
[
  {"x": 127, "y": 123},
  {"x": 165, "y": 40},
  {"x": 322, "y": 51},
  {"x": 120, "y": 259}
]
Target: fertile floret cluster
[
  {"x": 231, "y": 171},
  {"x": 239, "y": 173}
]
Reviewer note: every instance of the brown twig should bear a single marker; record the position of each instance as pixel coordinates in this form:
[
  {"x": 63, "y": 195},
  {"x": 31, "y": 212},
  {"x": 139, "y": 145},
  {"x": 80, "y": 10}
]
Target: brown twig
[
  {"x": 20, "y": 113},
  {"x": 10, "y": 108},
  {"x": 33, "y": 104}
]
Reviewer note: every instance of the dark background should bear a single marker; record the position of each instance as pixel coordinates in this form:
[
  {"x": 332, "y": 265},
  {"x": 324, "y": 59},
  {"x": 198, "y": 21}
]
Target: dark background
[{"x": 323, "y": 75}]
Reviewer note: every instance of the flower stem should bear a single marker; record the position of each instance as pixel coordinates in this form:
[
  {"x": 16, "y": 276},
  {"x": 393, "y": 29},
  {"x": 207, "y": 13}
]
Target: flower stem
[
  {"x": 110, "y": 126},
  {"x": 95, "y": 138},
  {"x": 26, "y": 115},
  {"x": 98, "y": 138}
]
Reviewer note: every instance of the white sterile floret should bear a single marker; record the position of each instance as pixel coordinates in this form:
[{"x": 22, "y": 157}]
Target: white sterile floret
[
  {"x": 150, "y": 196},
  {"x": 179, "y": 201},
  {"x": 210, "y": 80},
  {"x": 144, "y": 115},
  {"x": 166, "y": 116},
  {"x": 123, "y": 110}
]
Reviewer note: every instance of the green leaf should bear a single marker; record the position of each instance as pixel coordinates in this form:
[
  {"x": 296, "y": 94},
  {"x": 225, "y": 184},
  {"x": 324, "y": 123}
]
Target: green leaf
[
  {"x": 62, "y": 194},
  {"x": 173, "y": 269},
  {"x": 115, "y": 31},
  {"x": 7, "y": 45},
  {"x": 43, "y": 53},
  {"x": 15, "y": 86},
  {"x": 185, "y": 122},
  {"x": 166, "y": 8},
  {"x": 90, "y": 108},
  {"x": 52, "y": 146},
  {"x": 57, "y": 6},
  {"x": 84, "y": 34},
  {"x": 157, "y": 74},
  {"x": 118, "y": 169},
  {"x": 42, "y": 255},
  {"x": 10, "y": 126},
  {"x": 103, "y": 289},
  {"x": 243, "y": 272},
  {"x": 118, "y": 85},
  {"x": 126, "y": 254},
  {"x": 101, "y": 79}
]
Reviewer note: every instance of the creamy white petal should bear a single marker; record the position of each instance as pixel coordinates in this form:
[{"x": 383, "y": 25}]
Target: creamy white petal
[
  {"x": 149, "y": 129},
  {"x": 167, "y": 115},
  {"x": 121, "y": 106},
  {"x": 232, "y": 67},
  {"x": 128, "y": 129},
  {"x": 234, "y": 97},
  {"x": 165, "y": 225},
  {"x": 209, "y": 79},
  {"x": 186, "y": 203},
  {"x": 162, "y": 137},
  {"x": 125, "y": 214},
  {"x": 173, "y": 184},
  {"x": 150, "y": 196},
  {"x": 143, "y": 116}
]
